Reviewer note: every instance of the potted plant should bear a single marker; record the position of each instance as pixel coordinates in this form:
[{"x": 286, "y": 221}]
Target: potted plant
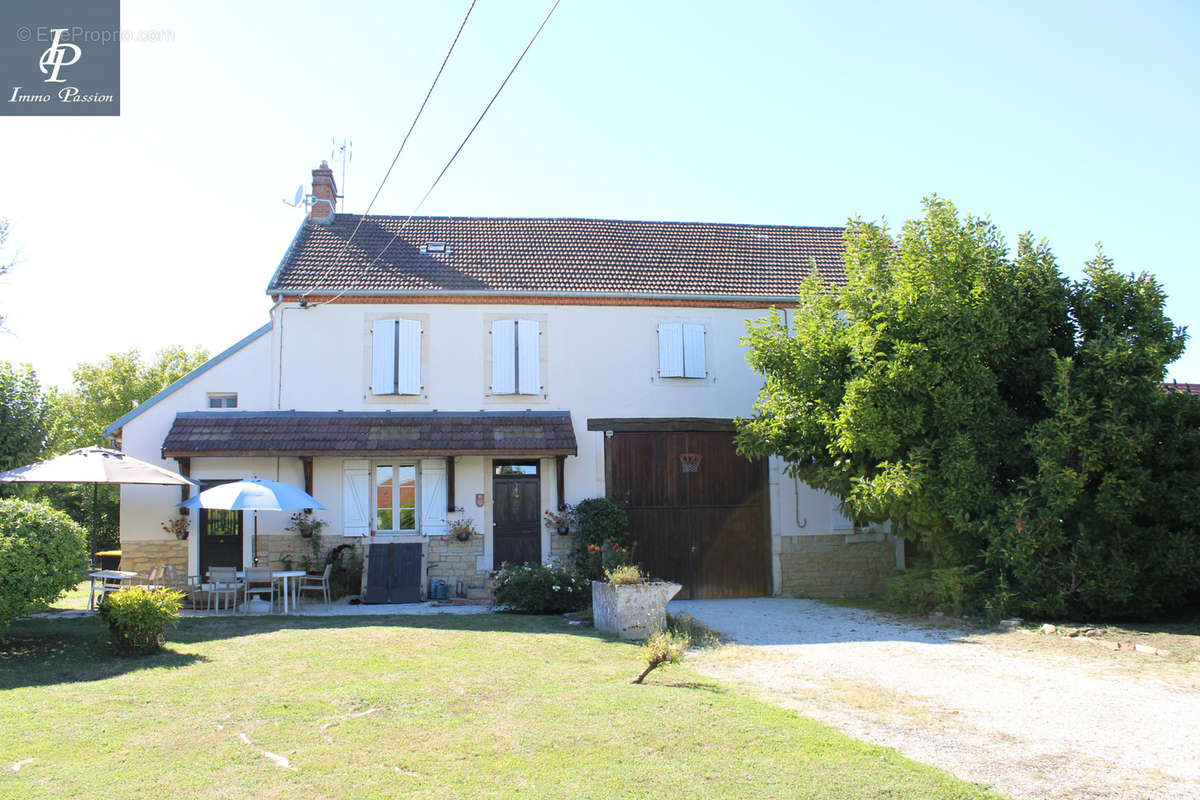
[
  {"x": 306, "y": 525},
  {"x": 461, "y": 529},
  {"x": 177, "y": 526},
  {"x": 629, "y": 604},
  {"x": 559, "y": 521}
]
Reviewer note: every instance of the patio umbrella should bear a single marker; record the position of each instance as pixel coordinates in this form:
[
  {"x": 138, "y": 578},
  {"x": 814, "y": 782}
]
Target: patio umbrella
[
  {"x": 254, "y": 494},
  {"x": 94, "y": 465}
]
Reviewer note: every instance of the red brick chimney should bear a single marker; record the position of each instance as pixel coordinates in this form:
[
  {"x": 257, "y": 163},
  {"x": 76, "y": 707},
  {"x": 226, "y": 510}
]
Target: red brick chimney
[{"x": 324, "y": 192}]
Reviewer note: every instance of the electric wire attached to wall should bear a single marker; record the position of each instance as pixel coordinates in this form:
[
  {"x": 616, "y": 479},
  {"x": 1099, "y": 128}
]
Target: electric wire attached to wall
[{"x": 461, "y": 145}]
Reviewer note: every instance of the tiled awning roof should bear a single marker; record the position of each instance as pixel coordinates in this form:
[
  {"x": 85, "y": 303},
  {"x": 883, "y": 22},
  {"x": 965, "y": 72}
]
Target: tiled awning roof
[
  {"x": 556, "y": 256},
  {"x": 424, "y": 433}
]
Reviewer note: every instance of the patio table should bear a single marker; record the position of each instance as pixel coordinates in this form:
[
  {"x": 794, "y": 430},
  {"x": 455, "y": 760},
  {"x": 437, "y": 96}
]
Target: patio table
[
  {"x": 284, "y": 575},
  {"x": 120, "y": 577}
]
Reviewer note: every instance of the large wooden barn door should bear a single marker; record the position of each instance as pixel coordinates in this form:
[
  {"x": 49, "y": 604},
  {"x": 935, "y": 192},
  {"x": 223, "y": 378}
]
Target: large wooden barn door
[{"x": 706, "y": 529}]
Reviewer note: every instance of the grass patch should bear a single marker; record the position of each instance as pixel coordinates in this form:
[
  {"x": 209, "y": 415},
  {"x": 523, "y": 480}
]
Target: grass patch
[{"x": 433, "y": 706}]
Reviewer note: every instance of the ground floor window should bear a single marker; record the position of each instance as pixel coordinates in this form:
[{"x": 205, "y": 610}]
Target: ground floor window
[{"x": 395, "y": 498}]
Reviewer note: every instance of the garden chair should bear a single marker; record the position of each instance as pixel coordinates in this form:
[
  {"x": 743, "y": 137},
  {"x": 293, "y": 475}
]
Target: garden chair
[
  {"x": 172, "y": 579},
  {"x": 154, "y": 579},
  {"x": 259, "y": 581},
  {"x": 315, "y": 583},
  {"x": 225, "y": 584}
]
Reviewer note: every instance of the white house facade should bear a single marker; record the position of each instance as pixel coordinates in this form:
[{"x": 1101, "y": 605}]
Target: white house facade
[{"x": 418, "y": 371}]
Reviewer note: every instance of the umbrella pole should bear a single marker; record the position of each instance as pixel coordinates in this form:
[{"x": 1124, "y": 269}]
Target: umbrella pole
[
  {"x": 95, "y": 523},
  {"x": 254, "y": 543}
]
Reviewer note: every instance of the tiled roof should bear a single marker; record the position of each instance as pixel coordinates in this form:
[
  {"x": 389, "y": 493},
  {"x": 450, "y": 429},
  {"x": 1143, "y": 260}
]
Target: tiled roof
[
  {"x": 558, "y": 256},
  {"x": 1184, "y": 388},
  {"x": 427, "y": 433}
]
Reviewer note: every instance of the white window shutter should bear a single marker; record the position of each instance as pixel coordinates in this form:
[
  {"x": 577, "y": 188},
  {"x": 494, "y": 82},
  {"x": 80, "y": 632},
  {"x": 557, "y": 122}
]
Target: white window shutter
[
  {"x": 504, "y": 351},
  {"x": 670, "y": 350},
  {"x": 693, "y": 351},
  {"x": 529, "y": 358},
  {"x": 408, "y": 357},
  {"x": 433, "y": 497},
  {"x": 356, "y": 490},
  {"x": 383, "y": 357}
]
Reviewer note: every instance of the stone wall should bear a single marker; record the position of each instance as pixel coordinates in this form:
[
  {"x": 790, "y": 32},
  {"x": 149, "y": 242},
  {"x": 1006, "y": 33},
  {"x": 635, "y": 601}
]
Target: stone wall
[
  {"x": 452, "y": 561},
  {"x": 838, "y": 565},
  {"x": 273, "y": 547},
  {"x": 141, "y": 555},
  {"x": 560, "y": 548}
]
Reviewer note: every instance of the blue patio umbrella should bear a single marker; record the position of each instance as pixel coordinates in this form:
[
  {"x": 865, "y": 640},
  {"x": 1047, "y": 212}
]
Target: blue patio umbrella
[{"x": 253, "y": 494}]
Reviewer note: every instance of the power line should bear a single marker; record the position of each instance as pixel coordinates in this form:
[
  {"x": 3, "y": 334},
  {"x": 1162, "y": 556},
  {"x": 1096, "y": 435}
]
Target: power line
[
  {"x": 400, "y": 150},
  {"x": 461, "y": 145}
]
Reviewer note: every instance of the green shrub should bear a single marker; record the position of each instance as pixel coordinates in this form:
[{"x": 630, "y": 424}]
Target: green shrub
[
  {"x": 43, "y": 553},
  {"x": 541, "y": 589},
  {"x": 601, "y": 534},
  {"x": 924, "y": 589},
  {"x": 137, "y": 617},
  {"x": 689, "y": 628}
]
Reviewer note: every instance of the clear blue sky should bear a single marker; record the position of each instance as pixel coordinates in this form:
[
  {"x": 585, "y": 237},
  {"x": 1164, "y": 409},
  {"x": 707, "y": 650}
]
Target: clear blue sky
[{"x": 1077, "y": 121}]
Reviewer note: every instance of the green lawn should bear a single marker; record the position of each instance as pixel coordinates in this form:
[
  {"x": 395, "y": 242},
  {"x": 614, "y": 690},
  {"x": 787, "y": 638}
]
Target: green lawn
[{"x": 435, "y": 706}]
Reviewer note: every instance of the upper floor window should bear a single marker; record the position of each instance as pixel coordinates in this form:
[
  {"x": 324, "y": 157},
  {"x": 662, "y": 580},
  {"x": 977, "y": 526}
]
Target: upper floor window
[
  {"x": 681, "y": 350},
  {"x": 516, "y": 357},
  {"x": 396, "y": 356},
  {"x": 222, "y": 399}
]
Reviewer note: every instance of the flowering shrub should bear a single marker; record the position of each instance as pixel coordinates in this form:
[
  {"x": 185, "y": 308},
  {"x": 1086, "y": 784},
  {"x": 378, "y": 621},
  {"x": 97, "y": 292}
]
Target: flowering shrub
[
  {"x": 541, "y": 589},
  {"x": 137, "y": 617},
  {"x": 601, "y": 535}
]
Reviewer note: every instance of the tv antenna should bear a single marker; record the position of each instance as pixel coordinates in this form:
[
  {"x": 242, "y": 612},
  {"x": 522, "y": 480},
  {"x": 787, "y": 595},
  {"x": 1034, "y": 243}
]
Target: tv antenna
[{"x": 344, "y": 151}]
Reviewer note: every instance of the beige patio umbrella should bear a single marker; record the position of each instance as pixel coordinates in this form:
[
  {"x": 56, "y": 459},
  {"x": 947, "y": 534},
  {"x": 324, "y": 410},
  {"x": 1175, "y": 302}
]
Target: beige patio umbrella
[{"x": 94, "y": 465}]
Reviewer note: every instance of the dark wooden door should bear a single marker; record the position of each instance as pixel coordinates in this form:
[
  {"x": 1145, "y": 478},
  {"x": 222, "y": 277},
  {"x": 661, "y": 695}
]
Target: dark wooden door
[
  {"x": 516, "y": 513},
  {"x": 705, "y": 529},
  {"x": 393, "y": 573},
  {"x": 220, "y": 533}
]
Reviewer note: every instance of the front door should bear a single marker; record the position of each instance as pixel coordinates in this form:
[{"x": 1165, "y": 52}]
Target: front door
[
  {"x": 516, "y": 513},
  {"x": 220, "y": 535}
]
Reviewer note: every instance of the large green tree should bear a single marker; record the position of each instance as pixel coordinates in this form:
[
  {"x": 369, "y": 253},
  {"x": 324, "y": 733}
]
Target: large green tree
[
  {"x": 25, "y": 416},
  {"x": 930, "y": 389},
  {"x": 101, "y": 393},
  {"x": 104, "y": 391}
]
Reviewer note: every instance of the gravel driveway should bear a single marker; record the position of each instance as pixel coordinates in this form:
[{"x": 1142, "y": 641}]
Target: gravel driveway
[{"x": 1028, "y": 725}]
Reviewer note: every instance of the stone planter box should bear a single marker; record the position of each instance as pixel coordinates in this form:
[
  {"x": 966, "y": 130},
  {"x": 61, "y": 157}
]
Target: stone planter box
[{"x": 631, "y": 611}]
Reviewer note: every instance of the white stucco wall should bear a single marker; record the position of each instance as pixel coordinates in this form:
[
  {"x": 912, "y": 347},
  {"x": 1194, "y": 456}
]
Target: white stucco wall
[
  {"x": 596, "y": 361},
  {"x": 144, "y": 508}
]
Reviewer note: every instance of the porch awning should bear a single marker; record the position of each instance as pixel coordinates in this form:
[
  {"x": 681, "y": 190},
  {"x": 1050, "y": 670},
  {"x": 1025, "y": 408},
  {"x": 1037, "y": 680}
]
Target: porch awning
[{"x": 355, "y": 433}]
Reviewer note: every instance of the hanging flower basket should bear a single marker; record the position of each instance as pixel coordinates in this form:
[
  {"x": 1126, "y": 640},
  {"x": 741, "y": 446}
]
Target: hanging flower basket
[{"x": 462, "y": 530}]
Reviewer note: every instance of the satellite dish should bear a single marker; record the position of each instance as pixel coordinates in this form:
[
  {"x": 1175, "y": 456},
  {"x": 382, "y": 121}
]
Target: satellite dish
[{"x": 298, "y": 199}]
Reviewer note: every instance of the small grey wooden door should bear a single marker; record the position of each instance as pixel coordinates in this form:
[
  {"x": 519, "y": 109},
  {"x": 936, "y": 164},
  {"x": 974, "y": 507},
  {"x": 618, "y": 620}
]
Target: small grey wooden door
[{"x": 393, "y": 573}]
